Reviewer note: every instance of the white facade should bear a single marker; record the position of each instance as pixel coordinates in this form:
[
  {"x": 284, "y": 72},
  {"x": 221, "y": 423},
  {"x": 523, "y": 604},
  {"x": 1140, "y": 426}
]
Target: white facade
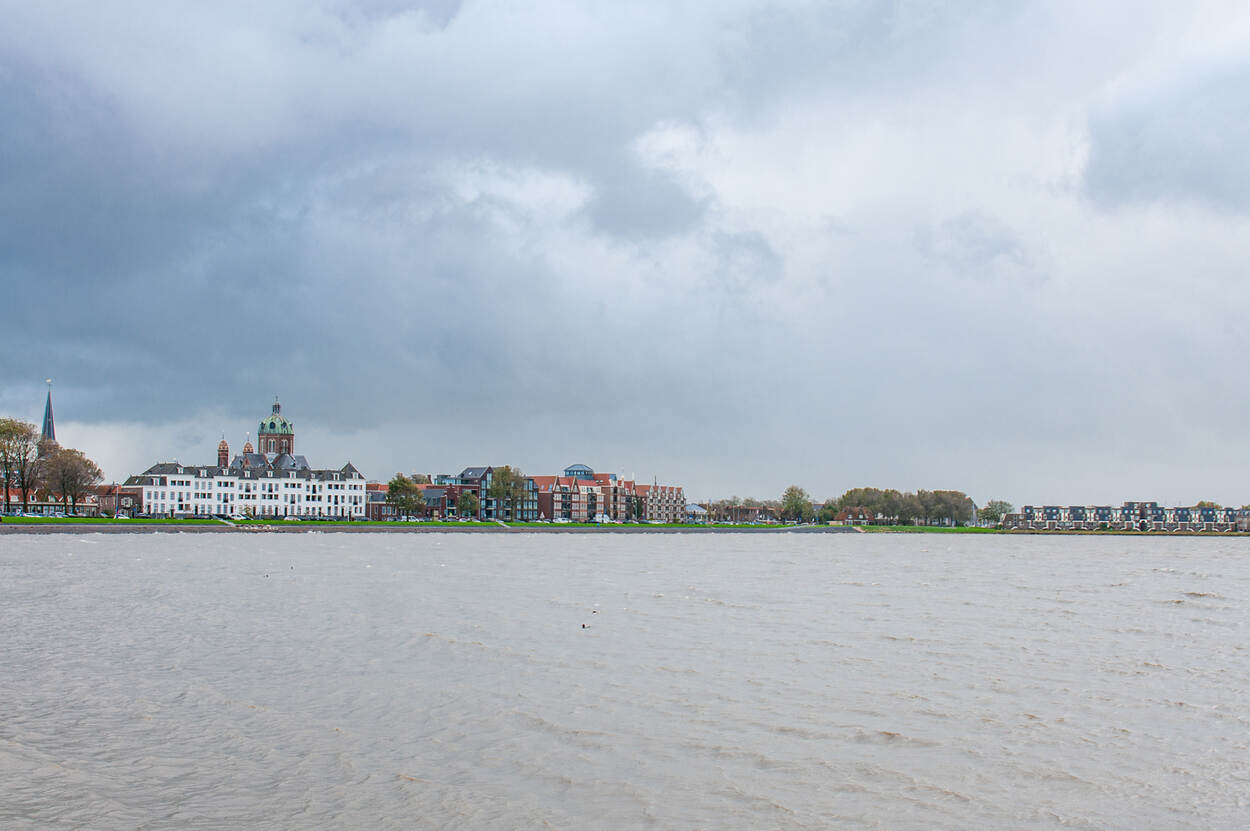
[{"x": 172, "y": 490}]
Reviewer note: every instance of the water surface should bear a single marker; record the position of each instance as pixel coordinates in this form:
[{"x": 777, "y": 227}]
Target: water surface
[{"x": 721, "y": 681}]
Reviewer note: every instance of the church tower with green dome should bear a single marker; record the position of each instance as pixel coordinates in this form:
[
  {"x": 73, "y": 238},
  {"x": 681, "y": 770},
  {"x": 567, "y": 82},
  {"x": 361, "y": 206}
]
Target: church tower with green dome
[{"x": 275, "y": 434}]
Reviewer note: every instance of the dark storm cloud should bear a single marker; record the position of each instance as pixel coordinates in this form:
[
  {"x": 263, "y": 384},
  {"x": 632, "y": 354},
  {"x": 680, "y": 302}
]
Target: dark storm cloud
[{"x": 563, "y": 230}]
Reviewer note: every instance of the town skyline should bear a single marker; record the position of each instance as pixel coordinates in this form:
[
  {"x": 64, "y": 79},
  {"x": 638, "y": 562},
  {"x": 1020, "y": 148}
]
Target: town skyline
[
  {"x": 740, "y": 245},
  {"x": 110, "y": 458}
]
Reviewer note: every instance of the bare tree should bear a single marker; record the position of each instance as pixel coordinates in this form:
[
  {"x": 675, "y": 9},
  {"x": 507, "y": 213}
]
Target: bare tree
[{"x": 71, "y": 475}]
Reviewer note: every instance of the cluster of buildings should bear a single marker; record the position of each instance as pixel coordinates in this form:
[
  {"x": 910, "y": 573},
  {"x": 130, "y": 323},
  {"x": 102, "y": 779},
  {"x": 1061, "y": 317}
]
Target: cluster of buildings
[
  {"x": 578, "y": 495},
  {"x": 1131, "y": 516},
  {"x": 269, "y": 479}
]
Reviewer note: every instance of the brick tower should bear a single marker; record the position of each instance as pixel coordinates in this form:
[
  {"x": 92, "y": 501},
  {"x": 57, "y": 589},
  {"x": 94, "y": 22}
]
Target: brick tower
[{"x": 275, "y": 434}]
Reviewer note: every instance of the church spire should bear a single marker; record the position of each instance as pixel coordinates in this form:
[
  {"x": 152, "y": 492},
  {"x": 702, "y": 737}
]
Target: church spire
[{"x": 49, "y": 425}]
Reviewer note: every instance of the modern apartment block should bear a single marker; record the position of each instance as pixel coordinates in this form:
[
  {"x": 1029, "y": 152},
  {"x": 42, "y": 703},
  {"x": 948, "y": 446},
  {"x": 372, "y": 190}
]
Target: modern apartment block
[
  {"x": 1130, "y": 516},
  {"x": 478, "y": 480},
  {"x": 582, "y": 495},
  {"x": 662, "y": 503}
]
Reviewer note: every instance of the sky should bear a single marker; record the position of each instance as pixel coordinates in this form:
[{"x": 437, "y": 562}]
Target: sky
[{"x": 733, "y": 245}]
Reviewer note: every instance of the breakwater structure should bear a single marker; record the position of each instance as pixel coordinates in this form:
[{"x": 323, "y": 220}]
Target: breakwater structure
[{"x": 1130, "y": 516}]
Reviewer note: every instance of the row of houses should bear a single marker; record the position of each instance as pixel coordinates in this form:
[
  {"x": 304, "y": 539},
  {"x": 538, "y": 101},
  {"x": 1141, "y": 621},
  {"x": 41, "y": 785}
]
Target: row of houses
[
  {"x": 579, "y": 494},
  {"x": 1130, "y": 516},
  {"x": 270, "y": 480}
]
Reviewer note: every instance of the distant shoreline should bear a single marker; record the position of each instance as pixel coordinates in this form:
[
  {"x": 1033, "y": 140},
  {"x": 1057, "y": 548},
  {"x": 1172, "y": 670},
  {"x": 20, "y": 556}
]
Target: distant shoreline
[
  {"x": 104, "y": 526},
  {"x": 174, "y": 527}
]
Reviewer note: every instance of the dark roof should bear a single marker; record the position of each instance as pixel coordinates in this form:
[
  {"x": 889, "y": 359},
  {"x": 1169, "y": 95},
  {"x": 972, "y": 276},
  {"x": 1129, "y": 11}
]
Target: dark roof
[
  {"x": 259, "y": 466},
  {"x": 49, "y": 423},
  {"x": 285, "y": 461},
  {"x": 473, "y": 472}
]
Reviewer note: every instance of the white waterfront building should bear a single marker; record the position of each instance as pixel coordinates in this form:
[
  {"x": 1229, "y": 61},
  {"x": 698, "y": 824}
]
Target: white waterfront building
[{"x": 272, "y": 483}]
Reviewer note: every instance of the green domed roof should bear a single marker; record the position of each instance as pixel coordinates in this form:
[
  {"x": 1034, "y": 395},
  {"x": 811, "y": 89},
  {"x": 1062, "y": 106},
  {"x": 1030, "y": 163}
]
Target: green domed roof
[{"x": 276, "y": 423}]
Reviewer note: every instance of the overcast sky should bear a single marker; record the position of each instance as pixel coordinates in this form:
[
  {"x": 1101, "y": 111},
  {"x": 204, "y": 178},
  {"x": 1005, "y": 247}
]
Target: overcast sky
[{"x": 732, "y": 245}]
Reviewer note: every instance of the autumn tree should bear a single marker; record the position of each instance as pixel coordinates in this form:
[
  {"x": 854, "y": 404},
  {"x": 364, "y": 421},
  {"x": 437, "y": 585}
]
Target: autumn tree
[
  {"x": 403, "y": 495},
  {"x": 467, "y": 504},
  {"x": 507, "y": 488},
  {"x": 22, "y": 458},
  {"x": 71, "y": 475},
  {"x": 796, "y": 504},
  {"x": 994, "y": 511},
  {"x": 12, "y": 433}
]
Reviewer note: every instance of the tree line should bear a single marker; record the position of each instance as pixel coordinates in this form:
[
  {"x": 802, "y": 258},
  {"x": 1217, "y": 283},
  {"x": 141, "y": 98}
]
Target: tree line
[
  {"x": 886, "y": 506},
  {"x": 30, "y": 465},
  {"x": 905, "y": 507}
]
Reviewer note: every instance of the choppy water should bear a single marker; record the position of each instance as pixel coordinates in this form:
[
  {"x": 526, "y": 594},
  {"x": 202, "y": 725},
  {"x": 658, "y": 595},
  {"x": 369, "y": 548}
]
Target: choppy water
[{"x": 724, "y": 682}]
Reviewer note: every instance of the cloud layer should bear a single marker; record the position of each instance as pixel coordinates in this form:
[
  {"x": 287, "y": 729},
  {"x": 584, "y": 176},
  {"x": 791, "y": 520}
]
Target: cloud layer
[{"x": 732, "y": 245}]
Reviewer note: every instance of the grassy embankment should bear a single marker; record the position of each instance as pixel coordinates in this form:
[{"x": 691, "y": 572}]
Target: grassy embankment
[
  {"x": 450, "y": 525},
  {"x": 927, "y": 529},
  {"x": 537, "y": 526},
  {"x": 94, "y": 520}
]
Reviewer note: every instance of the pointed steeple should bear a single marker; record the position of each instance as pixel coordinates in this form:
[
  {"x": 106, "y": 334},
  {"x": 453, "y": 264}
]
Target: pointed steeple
[{"x": 49, "y": 425}]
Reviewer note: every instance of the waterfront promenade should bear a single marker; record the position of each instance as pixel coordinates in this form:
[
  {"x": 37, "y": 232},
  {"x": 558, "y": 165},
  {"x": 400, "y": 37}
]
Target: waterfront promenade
[{"x": 190, "y": 527}]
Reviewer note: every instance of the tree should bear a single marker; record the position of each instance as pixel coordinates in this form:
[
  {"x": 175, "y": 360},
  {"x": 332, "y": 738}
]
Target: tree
[
  {"x": 994, "y": 511},
  {"x": 1206, "y": 503},
  {"x": 910, "y": 508},
  {"x": 633, "y": 507},
  {"x": 403, "y": 494},
  {"x": 828, "y": 511},
  {"x": 507, "y": 488},
  {"x": 23, "y": 458},
  {"x": 467, "y": 504},
  {"x": 954, "y": 506},
  {"x": 796, "y": 504},
  {"x": 71, "y": 475},
  {"x": 12, "y": 432}
]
